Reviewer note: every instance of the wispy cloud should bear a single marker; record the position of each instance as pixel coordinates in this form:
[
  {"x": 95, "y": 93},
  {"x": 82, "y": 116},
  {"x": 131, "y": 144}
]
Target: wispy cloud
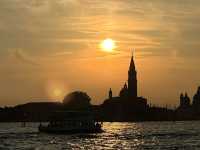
[
  {"x": 55, "y": 34},
  {"x": 24, "y": 58}
]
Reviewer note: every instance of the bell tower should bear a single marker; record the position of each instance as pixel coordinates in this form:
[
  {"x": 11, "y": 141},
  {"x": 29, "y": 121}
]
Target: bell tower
[{"x": 110, "y": 93}]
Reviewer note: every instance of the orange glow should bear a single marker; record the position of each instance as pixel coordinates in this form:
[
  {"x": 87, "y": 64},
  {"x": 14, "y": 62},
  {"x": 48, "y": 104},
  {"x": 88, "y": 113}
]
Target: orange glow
[{"x": 56, "y": 90}]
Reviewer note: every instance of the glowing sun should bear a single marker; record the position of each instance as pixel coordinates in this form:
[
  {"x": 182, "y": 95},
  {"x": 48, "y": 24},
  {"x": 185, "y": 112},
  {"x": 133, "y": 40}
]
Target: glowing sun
[
  {"x": 57, "y": 92},
  {"x": 108, "y": 45}
]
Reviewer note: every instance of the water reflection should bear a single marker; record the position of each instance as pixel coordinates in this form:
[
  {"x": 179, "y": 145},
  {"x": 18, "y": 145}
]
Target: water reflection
[
  {"x": 147, "y": 135},
  {"x": 122, "y": 135}
]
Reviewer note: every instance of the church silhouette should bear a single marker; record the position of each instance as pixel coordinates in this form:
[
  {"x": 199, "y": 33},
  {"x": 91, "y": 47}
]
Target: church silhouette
[{"x": 127, "y": 105}]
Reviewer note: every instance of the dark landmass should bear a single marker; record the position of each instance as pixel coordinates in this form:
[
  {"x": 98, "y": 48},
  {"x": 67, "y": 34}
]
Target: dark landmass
[
  {"x": 110, "y": 110},
  {"x": 128, "y": 106}
]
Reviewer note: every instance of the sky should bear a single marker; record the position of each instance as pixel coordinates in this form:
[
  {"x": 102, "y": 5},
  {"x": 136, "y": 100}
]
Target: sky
[{"x": 49, "y": 48}]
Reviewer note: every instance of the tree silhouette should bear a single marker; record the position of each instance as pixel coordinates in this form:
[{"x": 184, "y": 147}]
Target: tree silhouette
[{"x": 77, "y": 100}]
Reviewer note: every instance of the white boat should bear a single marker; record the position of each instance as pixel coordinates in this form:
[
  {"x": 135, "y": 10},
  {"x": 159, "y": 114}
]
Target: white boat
[{"x": 72, "y": 122}]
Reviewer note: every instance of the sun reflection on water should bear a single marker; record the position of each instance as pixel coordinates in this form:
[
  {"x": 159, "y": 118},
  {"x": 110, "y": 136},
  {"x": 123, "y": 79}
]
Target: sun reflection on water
[{"x": 123, "y": 135}]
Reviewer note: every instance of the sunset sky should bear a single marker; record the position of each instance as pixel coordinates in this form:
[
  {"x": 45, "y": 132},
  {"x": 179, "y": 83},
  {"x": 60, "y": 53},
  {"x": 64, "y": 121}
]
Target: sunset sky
[{"x": 51, "y": 47}]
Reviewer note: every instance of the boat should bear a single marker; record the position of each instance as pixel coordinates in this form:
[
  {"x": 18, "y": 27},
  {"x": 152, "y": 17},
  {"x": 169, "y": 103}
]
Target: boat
[{"x": 72, "y": 122}]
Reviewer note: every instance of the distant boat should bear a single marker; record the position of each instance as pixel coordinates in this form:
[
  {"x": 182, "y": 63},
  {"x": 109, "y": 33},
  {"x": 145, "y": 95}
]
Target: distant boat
[{"x": 72, "y": 122}]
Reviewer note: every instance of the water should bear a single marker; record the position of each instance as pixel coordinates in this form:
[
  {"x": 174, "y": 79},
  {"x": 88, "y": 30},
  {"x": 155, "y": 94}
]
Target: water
[{"x": 145, "y": 135}]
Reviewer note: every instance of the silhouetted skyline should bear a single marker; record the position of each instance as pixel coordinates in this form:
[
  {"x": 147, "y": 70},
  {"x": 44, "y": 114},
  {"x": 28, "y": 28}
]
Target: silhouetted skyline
[
  {"x": 50, "y": 48},
  {"x": 126, "y": 106}
]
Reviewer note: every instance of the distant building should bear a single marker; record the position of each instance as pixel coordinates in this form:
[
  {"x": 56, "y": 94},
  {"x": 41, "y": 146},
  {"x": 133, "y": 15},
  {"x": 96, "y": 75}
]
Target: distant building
[
  {"x": 184, "y": 111},
  {"x": 184, "y": 101},
  {"x": 126, "y": 106},
  {"x": 196, "y": 101},
  {"x": 187, "y": 109}
]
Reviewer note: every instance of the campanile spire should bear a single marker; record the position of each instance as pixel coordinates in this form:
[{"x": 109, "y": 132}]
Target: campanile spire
[
  {"x": 132, "y": 79},
  {"x": 132, "y": 64}
]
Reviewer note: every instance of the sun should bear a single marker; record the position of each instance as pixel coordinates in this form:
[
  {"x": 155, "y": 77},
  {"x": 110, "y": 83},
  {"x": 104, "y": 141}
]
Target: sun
[
  {"x": 57, "y": 92},
  {"x": 108, "y": 45}
]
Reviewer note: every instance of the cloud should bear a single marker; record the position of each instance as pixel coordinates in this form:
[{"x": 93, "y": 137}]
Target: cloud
[
  {"x": 24, "y": 58},
  {"x": 53, "y": 33}
]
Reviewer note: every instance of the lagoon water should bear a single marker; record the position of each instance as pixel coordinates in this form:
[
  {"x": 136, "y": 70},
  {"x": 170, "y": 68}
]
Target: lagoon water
[{"x": 144, "y": 135}]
